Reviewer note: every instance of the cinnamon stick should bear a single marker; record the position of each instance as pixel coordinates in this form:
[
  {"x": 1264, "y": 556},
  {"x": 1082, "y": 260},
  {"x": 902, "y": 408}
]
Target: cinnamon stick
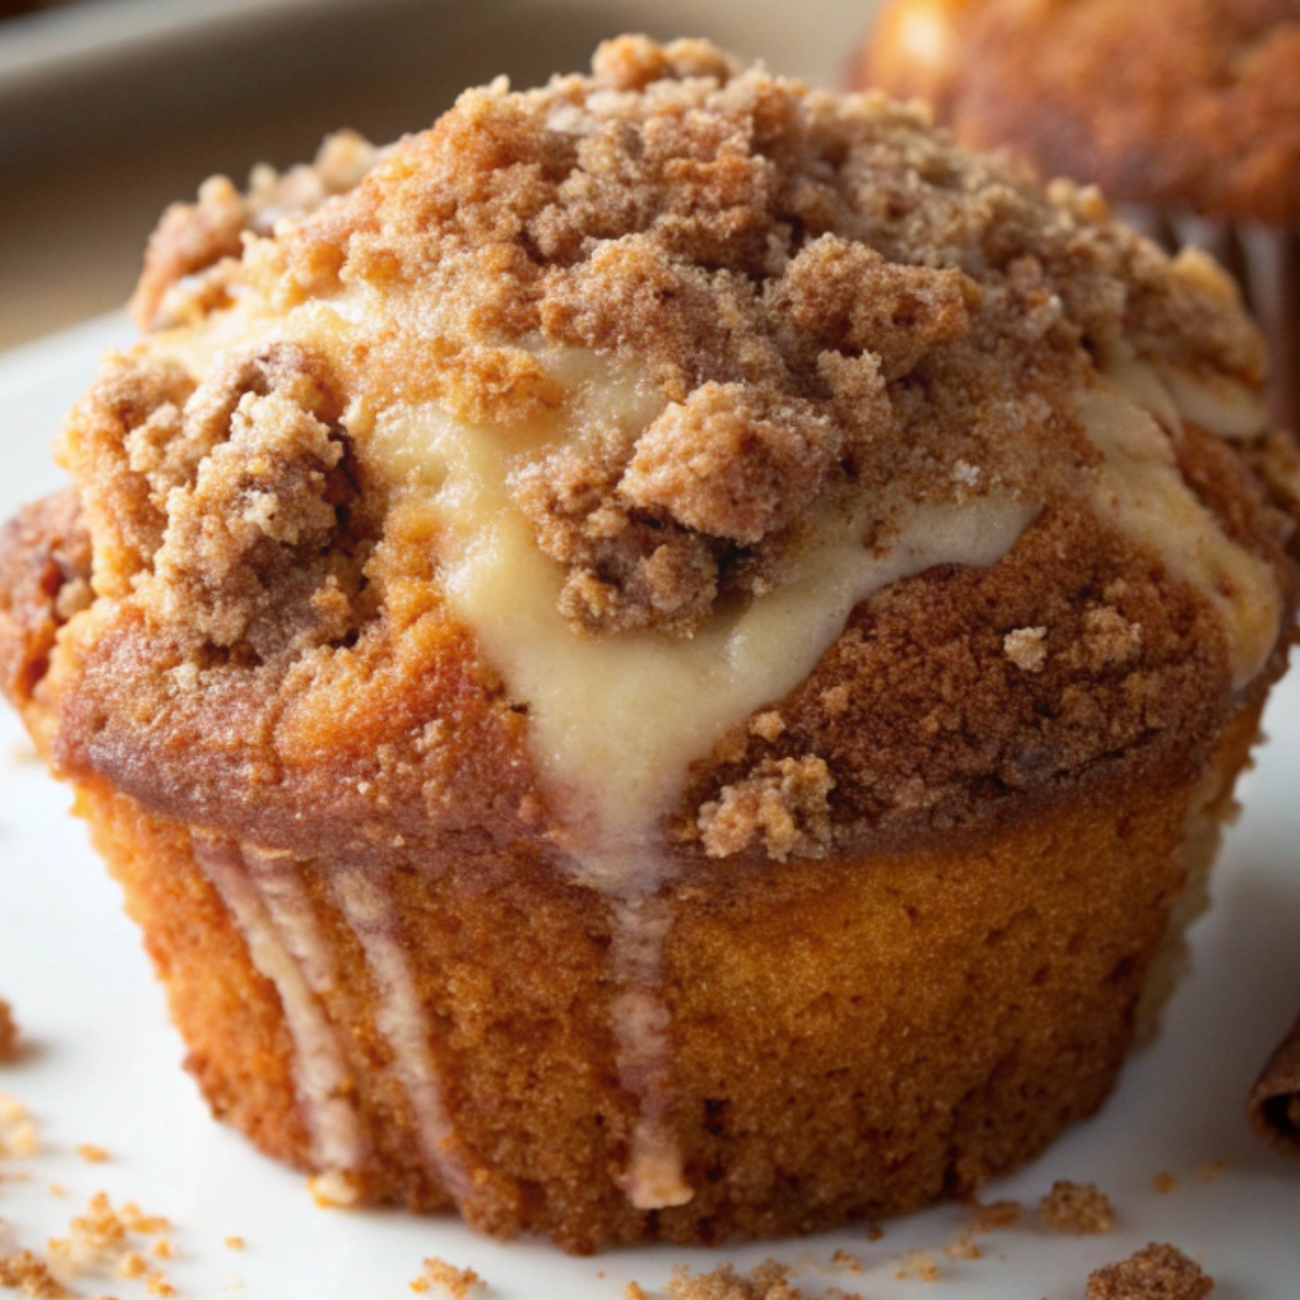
[{"x": 1274, "y": 1106}]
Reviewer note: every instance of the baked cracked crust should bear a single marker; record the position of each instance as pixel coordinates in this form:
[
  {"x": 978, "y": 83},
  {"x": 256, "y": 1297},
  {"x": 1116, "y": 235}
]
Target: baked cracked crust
[
  {"x": 1188, "y": 103},
  {"x": 705, "y": 327}
]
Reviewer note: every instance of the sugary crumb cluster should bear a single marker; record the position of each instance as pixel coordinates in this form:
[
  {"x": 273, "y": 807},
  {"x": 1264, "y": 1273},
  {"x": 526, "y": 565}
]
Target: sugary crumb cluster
[
  {"x": 831, "y": 301},
  {"x": 1077, "y": 1208},
  {"x": 769, "y": 1280},
  {"x": 1157, "y": 1272},
  {"x": 448, "y": 1280}
]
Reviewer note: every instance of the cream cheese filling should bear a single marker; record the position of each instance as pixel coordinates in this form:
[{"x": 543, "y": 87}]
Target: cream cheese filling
[
  {"x": 616, "y": 721},
  {"x": 1130, "y": 417}
]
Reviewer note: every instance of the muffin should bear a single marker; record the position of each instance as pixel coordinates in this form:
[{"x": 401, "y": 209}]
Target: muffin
[
  {"x": 1186, "y": 112},
  {"x": 666, "y": 665}
]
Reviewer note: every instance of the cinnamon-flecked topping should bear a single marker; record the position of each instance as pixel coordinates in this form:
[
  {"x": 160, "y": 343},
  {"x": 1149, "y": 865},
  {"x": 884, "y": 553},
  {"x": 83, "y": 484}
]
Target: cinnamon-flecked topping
[
  {"x": 824, "y": 310},
  {"x": 1156, "y": 1272}
]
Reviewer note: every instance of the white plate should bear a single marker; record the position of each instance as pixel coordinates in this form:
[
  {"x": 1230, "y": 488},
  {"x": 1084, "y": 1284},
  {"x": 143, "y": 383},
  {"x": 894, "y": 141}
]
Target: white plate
[{"x": 105, "y": 1065}]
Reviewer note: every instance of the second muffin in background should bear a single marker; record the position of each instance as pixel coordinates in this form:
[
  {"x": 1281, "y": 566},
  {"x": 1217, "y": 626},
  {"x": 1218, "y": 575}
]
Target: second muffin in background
[{"x": 1186, "y": 112}]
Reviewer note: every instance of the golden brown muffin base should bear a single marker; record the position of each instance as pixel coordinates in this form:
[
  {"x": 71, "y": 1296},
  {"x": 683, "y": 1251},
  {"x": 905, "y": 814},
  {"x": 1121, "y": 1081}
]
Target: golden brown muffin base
[{"x": 851, "y": 1038}]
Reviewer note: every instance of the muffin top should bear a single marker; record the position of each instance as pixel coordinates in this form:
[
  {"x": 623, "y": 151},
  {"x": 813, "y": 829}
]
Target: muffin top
[
  {"x": 1193, "y": 103},
  {"x": 671, "y": 463}
]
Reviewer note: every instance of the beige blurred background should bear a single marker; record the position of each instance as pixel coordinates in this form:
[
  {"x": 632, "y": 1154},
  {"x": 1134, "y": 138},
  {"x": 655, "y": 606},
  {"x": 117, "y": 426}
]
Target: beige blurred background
[{"x": 109, "y": 109}]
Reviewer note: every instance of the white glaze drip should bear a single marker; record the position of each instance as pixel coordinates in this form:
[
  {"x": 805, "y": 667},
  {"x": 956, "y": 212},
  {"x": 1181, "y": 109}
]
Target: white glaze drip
[
  {"x": 402, "y": 1021},
  {"x": 320, "y": 1071}
]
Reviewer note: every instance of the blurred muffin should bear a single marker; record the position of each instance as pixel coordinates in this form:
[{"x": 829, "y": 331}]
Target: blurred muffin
[
  {"x": 1186, "y": 112},
  {"x": 668, "y": 665}
]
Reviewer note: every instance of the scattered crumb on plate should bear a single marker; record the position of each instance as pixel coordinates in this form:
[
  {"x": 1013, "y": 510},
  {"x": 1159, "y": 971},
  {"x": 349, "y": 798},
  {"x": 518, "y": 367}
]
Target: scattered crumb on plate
[
  {"x": 918, "y": 1264},
  {"x": 1076, "y": 1208},
  {"x": 27, "y": 1273},
  {"x": 1157, "y": 1272},
  {"x": 332, "y": 1190},
  {"x": 965, "y": 1247},
  {"x": 996, "y": 1216},
  {"x": 448, "y": 1280},
  {"x": 770, "y": 1280},
  {"x": 1165, "y": 1183},
  {"x": 19, "y": 1135}
]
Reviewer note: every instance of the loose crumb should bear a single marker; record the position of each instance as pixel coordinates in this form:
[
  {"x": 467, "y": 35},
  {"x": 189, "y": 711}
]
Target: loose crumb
[
  {"x": 847, "y": 1261},
  {"x": 8, "y": 1031},
  {"x": 1210, "y": 1172},
  {"x": 92, "y": 1154},
  {"x": 918, "y": 1264},
  {"x": 132, "y": 1264},
  {"x": 1165, "y": 1183},
  {"x": 234, "y": 1243},
  {"x": 1077, "y": 1208},
  {"x": 770, "y": 1280},
  {"x": 148, "y": 1225},
  {"x": 874, "y": 1232},
  {"x": 159, "y": 1286},
  {"x": 1157, "y": 1272},
  {"x": 19, "y": 1135},
  {"x": 964, "y": 1247},
  {"x": 634, "y": 1291},
  {"x": 1025, "y": 648},
  {"x": 26, "y": 1273},
  {"x": 996, "y": 1216},
  {"x": 457, "y": 1283},
  {"x": 162, "y": 1249},
  {"x": 332, "y": 1190}
]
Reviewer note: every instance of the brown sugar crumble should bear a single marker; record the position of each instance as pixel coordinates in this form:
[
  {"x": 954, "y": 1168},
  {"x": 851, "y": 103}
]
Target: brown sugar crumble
[
  {"x": 1024, "y": 647},
  {"x": 1157, "y": 1272},
  {"x": 783, "y": 804},
  {"x": 1076, "y": 1208},
  {"x": 92, "y": 1154},
  {"x": 448, "y": 1280}
]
